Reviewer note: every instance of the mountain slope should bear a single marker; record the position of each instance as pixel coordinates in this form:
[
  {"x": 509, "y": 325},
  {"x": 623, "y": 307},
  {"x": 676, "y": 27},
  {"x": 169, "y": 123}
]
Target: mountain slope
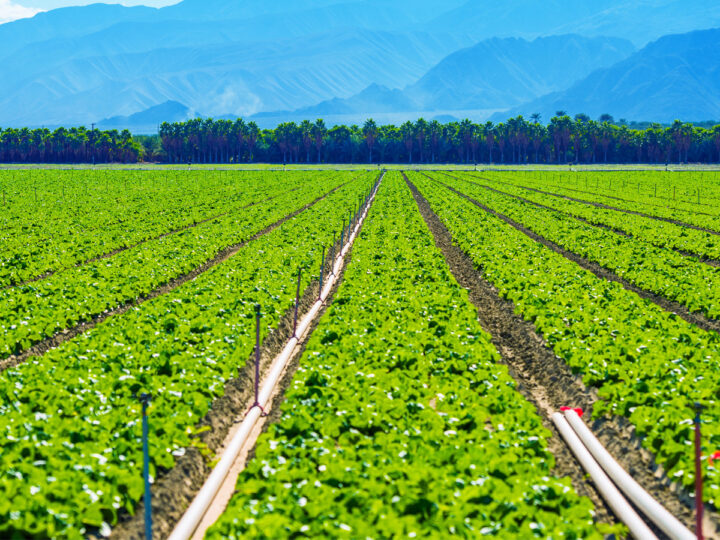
[
  {"x": 148, "y": 120},
  {"x": 640, "y": 21},
  {"x": 501, "y": 73},
  {"x": 238, "y": 79},
  {"x": 78, "y": 65},
  {"x": 493, "y": 74},
  {"x": 676, "y": 76}
]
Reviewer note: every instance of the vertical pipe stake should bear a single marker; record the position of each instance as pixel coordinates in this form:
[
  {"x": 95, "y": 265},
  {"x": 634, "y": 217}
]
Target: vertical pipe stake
[
  {"x": 257, "y": 354},
  {"x": 322, "y": 271},
  {"x": 297, "y": 303},
  {"x": 698, "y": 476},
  {"x": 147, "y": 502}
]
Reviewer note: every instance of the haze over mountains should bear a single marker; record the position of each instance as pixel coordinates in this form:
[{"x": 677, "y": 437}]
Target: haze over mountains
[
  {"x": 675, "y": 77},
  {"x": 336, "y": 58}
]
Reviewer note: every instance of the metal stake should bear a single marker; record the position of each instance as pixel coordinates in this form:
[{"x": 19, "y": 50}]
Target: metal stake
[
  {"x": 322, "y": 270},
  {"x": 147, "y": 503},
  {"x": 257, "y": 355},
  {"x": 698, "y": 476},
  {"x": 332, "y": 257},
  {"x": 297, "y": 303}
]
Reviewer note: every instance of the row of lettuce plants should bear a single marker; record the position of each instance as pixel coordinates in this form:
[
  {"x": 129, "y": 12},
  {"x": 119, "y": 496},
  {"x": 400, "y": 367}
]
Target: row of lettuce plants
[{"x": 400, "y": 421}]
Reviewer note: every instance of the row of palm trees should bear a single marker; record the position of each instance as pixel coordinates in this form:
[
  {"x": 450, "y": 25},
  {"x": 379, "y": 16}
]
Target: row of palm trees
[
  {"x": 74, "y": 145},
  {"x": 516, "y": 141}
]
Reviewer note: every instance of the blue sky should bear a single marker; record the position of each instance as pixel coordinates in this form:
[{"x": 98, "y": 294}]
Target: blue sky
[{"x": 18, "y": 9}]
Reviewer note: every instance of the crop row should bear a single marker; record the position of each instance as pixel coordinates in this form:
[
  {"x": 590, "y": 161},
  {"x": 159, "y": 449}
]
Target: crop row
[
  {"x": 661, "y": 271},
  {"x": 37, "y": 310},
  {"x": 573, "y": 185},
  {"x": 649, "y": 365},
  {"x": 51, "y": 237},
  {"x": 400, "y": 422},
  {"x": 69, "y": 430},
  {"x": 659, "y": 233}
]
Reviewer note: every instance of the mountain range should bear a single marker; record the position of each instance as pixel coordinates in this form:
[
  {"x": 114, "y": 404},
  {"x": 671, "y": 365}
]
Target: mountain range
[
  {"x": 674, "y": 77},
  {"x": 262, "y": 59}
]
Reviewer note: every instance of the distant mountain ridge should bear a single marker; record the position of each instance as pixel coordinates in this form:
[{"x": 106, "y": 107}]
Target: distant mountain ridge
[
  {"x": 493, "y": 74},
  {"x": 641, "y": 21},
  {"x": 147, "y": 121},
  {"x": 675, "y": 77},
  {"x": 499, "y": 73},
  {"x": 78, "y": 65}
]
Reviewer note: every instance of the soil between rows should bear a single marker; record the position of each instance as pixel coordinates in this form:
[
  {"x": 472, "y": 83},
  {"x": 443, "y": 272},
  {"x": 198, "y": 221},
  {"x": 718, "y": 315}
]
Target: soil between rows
[
  {"x": 623, "y": 210},
  {"x": 700, "y": 258},
  {"x": 62, "y": 336},
  {"x": 547, "y": 382},
  {"x": 175, "y": 489},
  {"x": 698, "y": 319}
]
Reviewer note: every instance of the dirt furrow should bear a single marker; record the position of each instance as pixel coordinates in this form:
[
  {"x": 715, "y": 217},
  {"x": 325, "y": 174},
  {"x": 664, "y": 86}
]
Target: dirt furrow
[
  {"x": 546, "y": 381},
  {"x": 61, "y": 337},
  {"x": 175, "y": 489},
  {"x": 671, "y": 306}
]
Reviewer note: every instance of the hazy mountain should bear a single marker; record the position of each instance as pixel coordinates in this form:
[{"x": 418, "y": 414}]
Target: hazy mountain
[
  {"x": 375, "y": 98},
  {"x": 676, "y": 76},
  {"x": 204, "y": 55},
  {"x": 494, "y": 74},
  {"x": 640, "y": 20},
  {"x": 218, "y": 79},
  {"x": 78, "y": 65},
  {"x": 67, "y": 22},
  {"x": 499, "y": 73},
  {"x": 148, "y": 120}
]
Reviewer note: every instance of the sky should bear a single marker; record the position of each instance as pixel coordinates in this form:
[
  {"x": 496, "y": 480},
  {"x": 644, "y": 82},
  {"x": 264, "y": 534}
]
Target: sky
[{"x": 18, "y": 9}]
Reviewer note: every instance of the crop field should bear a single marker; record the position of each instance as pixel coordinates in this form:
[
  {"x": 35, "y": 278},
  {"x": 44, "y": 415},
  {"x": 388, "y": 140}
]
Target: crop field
[{"x": 471, "y": 306}]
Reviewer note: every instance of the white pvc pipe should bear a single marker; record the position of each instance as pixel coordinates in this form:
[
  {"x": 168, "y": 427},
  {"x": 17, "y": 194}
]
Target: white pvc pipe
[
  {"x": 604, "y": 485},
  {"x": 202, "y": 501},
  {"x": 665, "y": 521}
]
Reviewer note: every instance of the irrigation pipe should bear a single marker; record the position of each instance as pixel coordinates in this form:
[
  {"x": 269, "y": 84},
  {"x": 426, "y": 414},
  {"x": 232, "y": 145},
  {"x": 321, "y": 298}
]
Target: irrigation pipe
[
  {"x": 665, "y": 521},
  {"x": 604, "y": 485},
  {"x": 200, "y": 505}
]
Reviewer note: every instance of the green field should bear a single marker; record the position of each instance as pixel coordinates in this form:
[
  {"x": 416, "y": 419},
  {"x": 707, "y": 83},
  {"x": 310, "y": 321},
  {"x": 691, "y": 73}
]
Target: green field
[{"x": 416, "y": 409}]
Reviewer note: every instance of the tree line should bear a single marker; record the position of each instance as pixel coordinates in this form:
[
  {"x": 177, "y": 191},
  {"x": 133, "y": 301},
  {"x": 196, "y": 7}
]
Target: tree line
[
  {"x": 563, "y": 139},
  {"x": 74, "y": 145},
  {"x": 516, "y": 141}
]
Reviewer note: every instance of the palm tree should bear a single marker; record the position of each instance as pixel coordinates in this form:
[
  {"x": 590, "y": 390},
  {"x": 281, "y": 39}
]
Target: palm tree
[
  {"x": 421, "y": 129},
  {"x": 252, "y": 134},
  {"x": 435, "y": 131},
  {"x": 489, "y": 139},
  {"x": 407, "y": 131},
  {"x": 306, "y": 131},
  {"x": 466, "y": 130},
  {"x": 319, "y": 131},
  {"x": 370, "y": 132}
]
